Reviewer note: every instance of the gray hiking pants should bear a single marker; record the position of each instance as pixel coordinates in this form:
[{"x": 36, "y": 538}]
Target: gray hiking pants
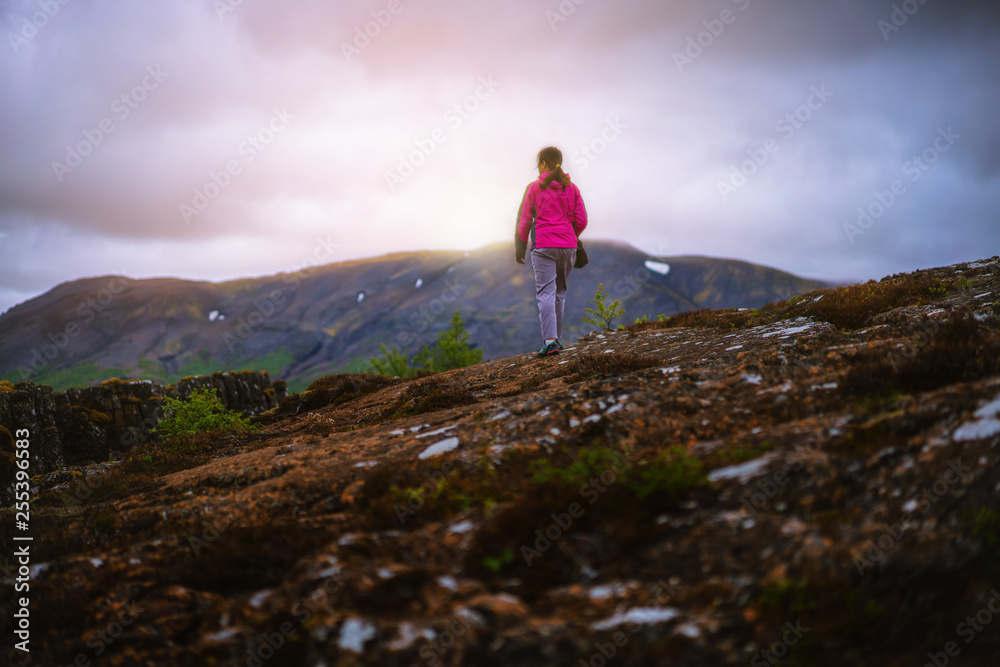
[{"x": 552, "y": 267}]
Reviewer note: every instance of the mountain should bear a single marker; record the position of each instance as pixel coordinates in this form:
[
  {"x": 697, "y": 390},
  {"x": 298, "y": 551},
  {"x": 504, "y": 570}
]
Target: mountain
[
  {"x": 814, "y": 483},
  {"x": 299, "y": 326}
]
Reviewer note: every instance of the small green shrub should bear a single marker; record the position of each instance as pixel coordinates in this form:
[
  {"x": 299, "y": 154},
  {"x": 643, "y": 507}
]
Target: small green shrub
[
  {"x": 201, "y": 411},
  {"x": 496, "y": 563},
  {"x": 451, "y": 350},
  {"x": 392, "y": 363},
  {"x": 604, "y": 313}
]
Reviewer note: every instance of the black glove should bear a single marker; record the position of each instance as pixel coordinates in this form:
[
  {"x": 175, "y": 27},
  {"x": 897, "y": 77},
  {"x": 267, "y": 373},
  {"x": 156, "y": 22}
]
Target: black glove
[{"x": 520, "y": 249}]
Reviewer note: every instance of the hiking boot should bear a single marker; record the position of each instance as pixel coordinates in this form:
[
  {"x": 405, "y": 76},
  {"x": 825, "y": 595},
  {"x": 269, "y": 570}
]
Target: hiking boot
[{"x": 551, "y": 348}]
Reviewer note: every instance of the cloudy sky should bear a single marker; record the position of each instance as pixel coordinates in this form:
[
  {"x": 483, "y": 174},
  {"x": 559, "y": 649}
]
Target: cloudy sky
[{"x": 215, "y": 139}]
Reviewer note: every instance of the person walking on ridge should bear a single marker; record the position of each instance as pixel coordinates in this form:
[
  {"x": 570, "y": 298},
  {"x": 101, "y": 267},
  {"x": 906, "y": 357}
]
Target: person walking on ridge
[{"x": 552, "y": 211}]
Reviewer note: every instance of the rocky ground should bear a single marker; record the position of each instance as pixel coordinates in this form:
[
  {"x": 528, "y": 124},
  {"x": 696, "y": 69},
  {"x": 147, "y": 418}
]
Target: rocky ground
[{"x": 813, "y": 483}]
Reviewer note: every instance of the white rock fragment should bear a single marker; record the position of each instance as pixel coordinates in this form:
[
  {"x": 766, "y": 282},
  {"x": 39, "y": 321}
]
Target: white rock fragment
[
  {"x": 790, "y": 331},
  {"x": 222, "y": 636},
  {"x": 366, "y": 464},
  {"x": 407, "y": 634},
  {"x": 734, "y": 347},
  {"x": 743, "y": 471},
  {"x": 986, "y": 424},
  {"x": 605, "y": 591},
  {"x": 828, "y": 385},
  {"x": 354, "y": 633},
  {"x": 361, "y": 297},
  {"x": 438, "y": 448},
  {"x": 689, "y": 630},
  {"x": 752, "y": 378},
  {"x": 257, "y": 600},
  {"x": 449, "y": 582},
  {"x": 574, "y": 422},
  {"x": 500, "y": 415},
  {"x": 96, "y": 562},
  {"x": 639, "y": 616},
  {"x": 420, "y": 281},
  {"x": 794, "y": 526},
  {"x": 461, "y": 527},
  {"x": 437, "y": 431}
]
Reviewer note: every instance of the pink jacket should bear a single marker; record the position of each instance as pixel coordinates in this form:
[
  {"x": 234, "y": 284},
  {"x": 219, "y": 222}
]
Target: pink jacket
[{"x": 557, "y": 214}]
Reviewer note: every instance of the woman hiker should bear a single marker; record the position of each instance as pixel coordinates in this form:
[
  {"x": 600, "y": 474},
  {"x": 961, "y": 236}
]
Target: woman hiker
[{"x": 552, "y": 210}]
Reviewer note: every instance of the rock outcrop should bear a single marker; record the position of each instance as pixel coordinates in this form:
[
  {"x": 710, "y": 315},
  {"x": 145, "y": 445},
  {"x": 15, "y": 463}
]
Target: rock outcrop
[{"x": 91, "y": 424}]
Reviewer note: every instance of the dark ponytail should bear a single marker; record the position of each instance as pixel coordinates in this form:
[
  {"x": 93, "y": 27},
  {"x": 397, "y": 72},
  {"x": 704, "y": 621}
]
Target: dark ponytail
[{"x": 552, "y": 157}]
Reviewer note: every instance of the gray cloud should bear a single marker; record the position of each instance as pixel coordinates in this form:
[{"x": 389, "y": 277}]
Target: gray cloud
[{"x": 657, "y": 184}]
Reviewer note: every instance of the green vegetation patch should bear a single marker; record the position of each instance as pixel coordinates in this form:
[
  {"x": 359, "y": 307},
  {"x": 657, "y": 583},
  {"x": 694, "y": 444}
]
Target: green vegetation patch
[{"x": 200, "y": 412}]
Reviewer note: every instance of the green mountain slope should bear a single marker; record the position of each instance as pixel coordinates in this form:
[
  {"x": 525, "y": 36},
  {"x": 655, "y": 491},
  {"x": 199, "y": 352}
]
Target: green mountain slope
[{"x": 311, "y": 323}]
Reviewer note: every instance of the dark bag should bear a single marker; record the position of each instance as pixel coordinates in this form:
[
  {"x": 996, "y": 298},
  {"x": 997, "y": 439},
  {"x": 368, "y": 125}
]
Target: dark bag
[{"x": 581, "y": 255}]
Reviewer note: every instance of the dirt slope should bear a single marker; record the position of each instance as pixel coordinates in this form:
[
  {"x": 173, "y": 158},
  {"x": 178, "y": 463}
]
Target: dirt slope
[{"x": 815, "y": 482}]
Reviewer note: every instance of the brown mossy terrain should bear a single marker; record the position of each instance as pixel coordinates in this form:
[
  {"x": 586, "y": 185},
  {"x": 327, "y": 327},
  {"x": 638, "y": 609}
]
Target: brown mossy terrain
[{"x": 815, "y": 481}]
